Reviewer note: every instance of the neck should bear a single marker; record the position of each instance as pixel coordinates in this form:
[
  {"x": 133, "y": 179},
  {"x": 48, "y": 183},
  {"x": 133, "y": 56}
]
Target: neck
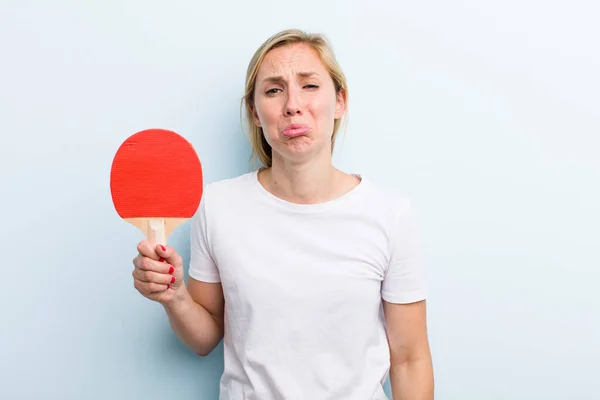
[{"x": 305, "y": 183}]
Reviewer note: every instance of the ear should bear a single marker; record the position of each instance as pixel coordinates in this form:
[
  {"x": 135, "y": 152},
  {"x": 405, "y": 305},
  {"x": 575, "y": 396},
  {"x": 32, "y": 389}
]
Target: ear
[
  {"x": 255, "y": 115},
  {"x": 340, "y": 103}
]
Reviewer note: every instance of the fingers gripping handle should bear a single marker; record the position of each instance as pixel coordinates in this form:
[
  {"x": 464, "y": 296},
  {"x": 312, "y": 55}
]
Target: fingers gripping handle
[{"x": 156, "y": 231}]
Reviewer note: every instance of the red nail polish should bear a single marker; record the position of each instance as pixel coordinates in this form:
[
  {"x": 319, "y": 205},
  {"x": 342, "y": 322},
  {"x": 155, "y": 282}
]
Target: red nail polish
[
  {"x": 172, "y": 279},
  {"x": 163, "y": 247},
  {"x": 161, "y": 259},
  {"x": 168, "y": 286},
  {"x": 171, "y": 270}
]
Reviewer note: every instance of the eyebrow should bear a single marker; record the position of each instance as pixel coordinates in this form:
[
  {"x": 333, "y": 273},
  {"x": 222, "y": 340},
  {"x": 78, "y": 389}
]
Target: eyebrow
[{"x": 279, "y": 78}]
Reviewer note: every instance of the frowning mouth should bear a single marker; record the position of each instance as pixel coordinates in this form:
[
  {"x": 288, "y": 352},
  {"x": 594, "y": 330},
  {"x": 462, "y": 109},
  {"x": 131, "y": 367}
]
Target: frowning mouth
[{"x": 294, "y": 130}]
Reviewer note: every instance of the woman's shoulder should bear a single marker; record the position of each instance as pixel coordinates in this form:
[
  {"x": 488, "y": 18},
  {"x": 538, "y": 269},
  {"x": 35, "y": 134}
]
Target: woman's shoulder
[
  {"x": 387, "y": 195},
  {"x": 389, "y": 207}
]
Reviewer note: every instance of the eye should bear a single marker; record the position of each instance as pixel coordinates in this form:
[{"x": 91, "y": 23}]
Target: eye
[
  {"x": 311, "y": 86},
  {"x": 272, "y": 91}
]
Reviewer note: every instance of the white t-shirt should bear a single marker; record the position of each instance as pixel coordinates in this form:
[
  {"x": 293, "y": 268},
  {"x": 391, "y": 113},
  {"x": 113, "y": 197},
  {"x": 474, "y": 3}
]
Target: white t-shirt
[{"x": 303, "y": 286}]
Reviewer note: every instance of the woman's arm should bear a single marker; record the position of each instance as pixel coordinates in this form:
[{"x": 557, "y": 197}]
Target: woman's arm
[
  {"x": 411, "y": 374},
  {"x": 195, "y": 311},
  {"x": 196, "y": 316}
]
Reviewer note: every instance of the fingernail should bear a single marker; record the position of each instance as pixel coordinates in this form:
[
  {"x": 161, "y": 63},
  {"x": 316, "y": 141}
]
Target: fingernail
[
  {"x": 171, "y": 270},
  {"x": 161, "y": 259},
  {"x": 168, "y": 286},
  {"x": 172, "y": 279},
  {"x": 163, "y": 247}
]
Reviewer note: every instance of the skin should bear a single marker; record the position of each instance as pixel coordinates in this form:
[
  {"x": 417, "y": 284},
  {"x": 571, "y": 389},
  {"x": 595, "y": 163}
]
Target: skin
[
  {"x": 292, "y": 86},
  {"x": 411, "y": 371}
]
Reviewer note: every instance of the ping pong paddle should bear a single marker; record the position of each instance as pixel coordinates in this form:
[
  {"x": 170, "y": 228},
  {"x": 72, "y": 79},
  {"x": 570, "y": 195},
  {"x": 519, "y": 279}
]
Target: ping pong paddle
[{"x": 156, "y": 182}]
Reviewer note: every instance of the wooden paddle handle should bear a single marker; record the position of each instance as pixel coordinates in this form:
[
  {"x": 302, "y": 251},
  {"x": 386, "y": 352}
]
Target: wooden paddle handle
[{"x": 157, "y": 231}]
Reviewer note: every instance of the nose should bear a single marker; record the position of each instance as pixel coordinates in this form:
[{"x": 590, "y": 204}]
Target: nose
[
  {"x": 292, "y": 106},
  {"x": 293, "y": 111}
]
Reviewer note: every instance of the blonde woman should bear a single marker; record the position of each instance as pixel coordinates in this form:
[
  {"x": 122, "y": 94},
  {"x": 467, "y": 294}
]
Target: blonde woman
[{"x": 310, "y": 275}]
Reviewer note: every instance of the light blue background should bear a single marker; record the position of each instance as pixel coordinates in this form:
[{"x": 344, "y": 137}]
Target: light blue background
[{"x": 485, "y": 113}]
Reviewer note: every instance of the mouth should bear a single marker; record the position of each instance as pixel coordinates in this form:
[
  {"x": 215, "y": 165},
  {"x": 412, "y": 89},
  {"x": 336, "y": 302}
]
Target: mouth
[{"x": 295, "y": 130}]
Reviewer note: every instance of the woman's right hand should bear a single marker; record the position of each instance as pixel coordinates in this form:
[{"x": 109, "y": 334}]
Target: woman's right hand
[{"x": 158, "y": 273}]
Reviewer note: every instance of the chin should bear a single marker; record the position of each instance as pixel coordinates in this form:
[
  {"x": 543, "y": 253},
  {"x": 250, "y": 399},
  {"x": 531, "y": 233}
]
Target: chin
[{"x": 300, "y": 149}]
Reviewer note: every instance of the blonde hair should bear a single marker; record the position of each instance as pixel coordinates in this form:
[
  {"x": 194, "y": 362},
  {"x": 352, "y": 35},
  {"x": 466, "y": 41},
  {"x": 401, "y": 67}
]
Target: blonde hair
[{"x": 261, "y": 150}]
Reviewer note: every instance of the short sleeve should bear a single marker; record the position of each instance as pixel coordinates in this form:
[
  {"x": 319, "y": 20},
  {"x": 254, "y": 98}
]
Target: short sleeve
[
  {"x": 404, "y": 280},
  {"x": 202, "y": 264}
]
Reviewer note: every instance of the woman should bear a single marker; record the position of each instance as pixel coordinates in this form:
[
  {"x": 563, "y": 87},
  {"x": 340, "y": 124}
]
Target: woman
[{"x": 309, "y": 274}]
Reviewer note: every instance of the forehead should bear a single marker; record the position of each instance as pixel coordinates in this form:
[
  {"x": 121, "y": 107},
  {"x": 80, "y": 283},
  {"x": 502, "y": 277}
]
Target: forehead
[{"x": 290, "y": 59}]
